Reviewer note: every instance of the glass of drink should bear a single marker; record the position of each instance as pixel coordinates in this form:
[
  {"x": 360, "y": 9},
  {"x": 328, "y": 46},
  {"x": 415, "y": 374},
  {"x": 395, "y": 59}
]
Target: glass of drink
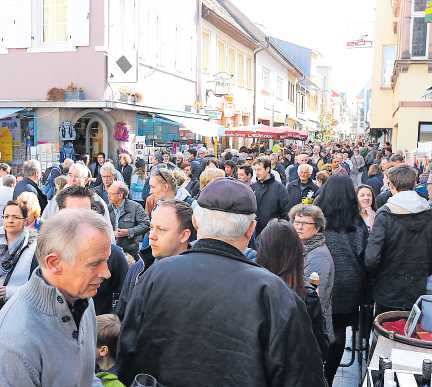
[{"x": 144, "y": 380}]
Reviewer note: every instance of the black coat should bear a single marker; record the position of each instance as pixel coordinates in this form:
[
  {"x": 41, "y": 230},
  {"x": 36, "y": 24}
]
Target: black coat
[
  {"x": 126, "y": 172},
  {"x": 193, "y": 187},
  {"x": 347, "y": 250},
  {"x": 398, "y": 254},
  {"x": 211, "y": 317},
  {"x": 376, "y": 183},
  {"x": 272, "y": 201},
  {"x": 28, "y": 185},
  {"x": 281, "y": 170},
  {"x": 118, "y": 267},
  {"x": 382, "y": 198},
  {"x": 295, "y": 193}
]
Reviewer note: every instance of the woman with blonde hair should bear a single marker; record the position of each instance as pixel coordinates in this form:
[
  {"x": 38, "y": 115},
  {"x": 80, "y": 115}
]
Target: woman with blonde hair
[
  {"x": 126, "y": 168},
  {"x": 30, "y": 202}
]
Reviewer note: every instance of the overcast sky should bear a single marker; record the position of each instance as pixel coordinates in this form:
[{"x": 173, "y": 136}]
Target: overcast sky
[{"x": 325, "y": 26}]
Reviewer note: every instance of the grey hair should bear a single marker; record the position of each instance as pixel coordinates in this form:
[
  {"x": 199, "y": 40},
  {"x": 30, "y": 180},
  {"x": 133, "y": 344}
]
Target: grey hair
[
  {"x": 221, "y": 225},
  {"x": 309, "y": 210},
  {"x": 63, "y": 233},
  {"x": 31, "y": 168},
  {"x": 8, "y": 180},
  {"x": 123, "y": 188},
  {"x": 82, "y": 169},
  {"x": 108, "y": 167},
  {"x": 308, "y": 166}
]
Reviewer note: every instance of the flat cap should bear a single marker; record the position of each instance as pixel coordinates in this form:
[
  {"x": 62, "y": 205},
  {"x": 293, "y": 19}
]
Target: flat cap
[{"x": 228, "y": 195}]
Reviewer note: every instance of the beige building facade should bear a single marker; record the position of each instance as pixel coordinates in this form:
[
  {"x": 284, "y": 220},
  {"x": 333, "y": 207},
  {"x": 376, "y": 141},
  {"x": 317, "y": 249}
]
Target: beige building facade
[{"x": 402, "y": 73}]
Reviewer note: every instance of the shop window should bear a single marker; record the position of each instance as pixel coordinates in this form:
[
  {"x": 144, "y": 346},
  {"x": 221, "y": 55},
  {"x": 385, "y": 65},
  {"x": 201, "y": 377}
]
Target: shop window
[
  {"x": 221, "y": 56},
  {"x": 241, "y": 65},
  {"x": 205, "y": 51},
  {"x": 425, "y": 132},
  {"x": 389, "y": 56},
  {"x": 419, "y": 30},
  {"x": 158, "y": 129}
]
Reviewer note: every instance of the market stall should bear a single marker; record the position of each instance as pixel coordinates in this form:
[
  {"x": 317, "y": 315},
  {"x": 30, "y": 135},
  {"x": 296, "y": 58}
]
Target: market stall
[{"x": 266, "y": 132}]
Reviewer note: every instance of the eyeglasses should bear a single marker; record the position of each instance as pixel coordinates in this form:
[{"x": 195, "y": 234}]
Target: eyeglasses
[
  {"x": 12, "y": 217},
  {"x": 297, "y": 223},
  {"x": 75, "y": 177}
]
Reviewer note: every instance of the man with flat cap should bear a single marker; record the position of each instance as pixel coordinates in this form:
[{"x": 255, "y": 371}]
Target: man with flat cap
[{"x": 211, "y": 317}]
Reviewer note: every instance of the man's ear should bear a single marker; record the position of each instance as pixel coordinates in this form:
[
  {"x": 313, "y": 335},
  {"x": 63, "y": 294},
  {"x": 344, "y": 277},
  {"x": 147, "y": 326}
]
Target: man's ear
[
  {"x": 250, "y": 230},
  {"x": 185, "y": 235},
  {"x": 103, "y": 351},
  {"x": 53, "y": 263}
]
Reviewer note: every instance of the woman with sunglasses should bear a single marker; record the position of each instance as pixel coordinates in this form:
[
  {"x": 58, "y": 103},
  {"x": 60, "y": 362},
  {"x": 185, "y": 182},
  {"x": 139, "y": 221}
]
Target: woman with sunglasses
[{"x": 17, "y": 250}]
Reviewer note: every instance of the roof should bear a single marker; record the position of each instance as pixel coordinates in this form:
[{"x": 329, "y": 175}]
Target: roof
[
  {"x": 299, "y": 55},
  {"x": 218, "y": 9}
]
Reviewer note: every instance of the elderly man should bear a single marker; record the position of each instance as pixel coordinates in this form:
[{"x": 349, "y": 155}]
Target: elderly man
[
  {"x": 78, "y": 175},
  {"x": 77, "y": 197},
  {"x": 291, "y": 171},
  {"x": 32, "y": 174},
  {"x": 52, "y": 317},
  {"x": 303, "y": 189},
  {"x": 170, "y": 230},
  {"x": 108, "y": 175},
  {"x": 236, "y": 323},
  {"x": 128, "y": 218}
]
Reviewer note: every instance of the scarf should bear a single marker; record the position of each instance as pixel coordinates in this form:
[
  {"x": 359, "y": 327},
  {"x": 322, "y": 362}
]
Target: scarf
[
  {"x": 314, "y": 242},
  {"x": 9, "y": 255}
]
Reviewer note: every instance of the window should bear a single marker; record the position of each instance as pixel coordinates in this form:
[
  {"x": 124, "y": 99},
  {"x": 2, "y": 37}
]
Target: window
[
  {"x": 425, "y": 132},
  {"x": 266, "y": 78},
  {"x": 221, "y": 56},
  {"x": 55, "y": 28},
  {"x": 232, "y": 61},
  {"x": 389, "y": 56},
  {"x": 241, "y": 65},
  {"x": 205, "y": 51},
  {"x": 249, "y": 81},
  {"x": 291, "y": 92},
  {"x": 419, "y": 30},
  {"x": 279, "y": 88}
]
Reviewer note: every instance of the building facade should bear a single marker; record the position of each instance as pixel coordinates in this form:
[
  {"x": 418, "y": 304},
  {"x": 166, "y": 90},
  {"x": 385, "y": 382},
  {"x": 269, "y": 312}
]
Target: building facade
[{"x": 402, "y": 74}]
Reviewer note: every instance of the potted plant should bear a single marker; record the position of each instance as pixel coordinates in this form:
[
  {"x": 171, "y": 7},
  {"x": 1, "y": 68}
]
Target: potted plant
[{"x": 72, "y": 92}]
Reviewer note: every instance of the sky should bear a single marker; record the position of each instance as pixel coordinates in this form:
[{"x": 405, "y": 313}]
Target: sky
[{"x": 325, "y": 26}]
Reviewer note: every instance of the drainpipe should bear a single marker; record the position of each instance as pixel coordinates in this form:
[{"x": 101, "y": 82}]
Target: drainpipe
[
  {"x": 256, "y": 51},
  {"x": 198, "y": 56}
]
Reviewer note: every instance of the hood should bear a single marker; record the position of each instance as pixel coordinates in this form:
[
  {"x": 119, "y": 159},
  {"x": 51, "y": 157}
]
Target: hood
[{"x": 407, "y": 202}]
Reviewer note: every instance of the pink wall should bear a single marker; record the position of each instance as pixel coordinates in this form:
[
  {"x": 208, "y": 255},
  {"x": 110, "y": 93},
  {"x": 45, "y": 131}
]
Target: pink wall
[{"x": 26, "y": 75}]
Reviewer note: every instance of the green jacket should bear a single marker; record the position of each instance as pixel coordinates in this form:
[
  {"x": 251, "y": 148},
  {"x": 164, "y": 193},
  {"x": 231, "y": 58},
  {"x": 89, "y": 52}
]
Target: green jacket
[{"x": 109, "y": 380}]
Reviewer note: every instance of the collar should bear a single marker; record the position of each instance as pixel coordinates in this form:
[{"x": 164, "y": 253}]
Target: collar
[
  {"x": 121, "y": 207},
  {"x": 267, "y": 181},
  {"x": 214, "y": 246},
  {"x": 46, "y": 298}
]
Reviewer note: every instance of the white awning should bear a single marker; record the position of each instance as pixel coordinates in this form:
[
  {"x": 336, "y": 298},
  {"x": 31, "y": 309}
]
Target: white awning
[
  {"x": 9, "y": 112},
  {"x": 198, "y": 126}
]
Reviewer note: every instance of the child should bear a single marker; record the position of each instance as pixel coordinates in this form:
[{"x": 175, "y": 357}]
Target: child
[{"x": 108, "y": 330}]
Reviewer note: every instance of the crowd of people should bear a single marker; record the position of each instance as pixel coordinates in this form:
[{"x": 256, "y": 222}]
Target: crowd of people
[{"x": 242, "y": 270}]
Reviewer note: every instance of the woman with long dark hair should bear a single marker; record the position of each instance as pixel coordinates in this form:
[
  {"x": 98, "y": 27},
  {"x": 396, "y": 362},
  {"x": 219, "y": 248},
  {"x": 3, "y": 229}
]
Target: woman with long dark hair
[
  {"x": 280, "y": 250},
  {"x": 346, "y": 237}
]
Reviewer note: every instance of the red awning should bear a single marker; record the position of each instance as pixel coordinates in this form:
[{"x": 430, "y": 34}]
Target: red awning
[{"x": 265, "y": 131}]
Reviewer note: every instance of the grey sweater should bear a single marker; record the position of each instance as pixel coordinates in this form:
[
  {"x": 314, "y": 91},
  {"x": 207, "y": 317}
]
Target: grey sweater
[
  {"x": 319, "y": 260},
  {"x": 40, "y": 343}
]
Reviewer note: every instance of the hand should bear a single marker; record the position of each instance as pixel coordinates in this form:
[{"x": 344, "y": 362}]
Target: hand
[
  {"x": 2, "y": 291},
  {"x": 121, "y": 232}
]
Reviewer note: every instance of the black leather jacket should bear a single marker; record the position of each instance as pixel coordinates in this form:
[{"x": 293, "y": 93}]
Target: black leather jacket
[{"x": 211, "y": 317}]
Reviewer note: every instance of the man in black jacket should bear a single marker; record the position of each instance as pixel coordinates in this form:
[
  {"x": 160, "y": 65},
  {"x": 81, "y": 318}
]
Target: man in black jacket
[
  {"x": 32, "y": 174},
  {"x": 400, "y": 244},
  {"x": 271, "y": 196},
  {"x": 211, "y": 317},
  {"x": 303, "y": 189}
]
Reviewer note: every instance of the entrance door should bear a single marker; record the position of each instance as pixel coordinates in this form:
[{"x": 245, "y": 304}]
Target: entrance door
[{"x": 90, "y": 137}]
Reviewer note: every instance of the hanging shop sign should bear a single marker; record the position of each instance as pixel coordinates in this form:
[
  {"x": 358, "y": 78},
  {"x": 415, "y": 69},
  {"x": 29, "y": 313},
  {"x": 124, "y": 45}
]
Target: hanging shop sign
[{"x": 222, "y": 83}]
